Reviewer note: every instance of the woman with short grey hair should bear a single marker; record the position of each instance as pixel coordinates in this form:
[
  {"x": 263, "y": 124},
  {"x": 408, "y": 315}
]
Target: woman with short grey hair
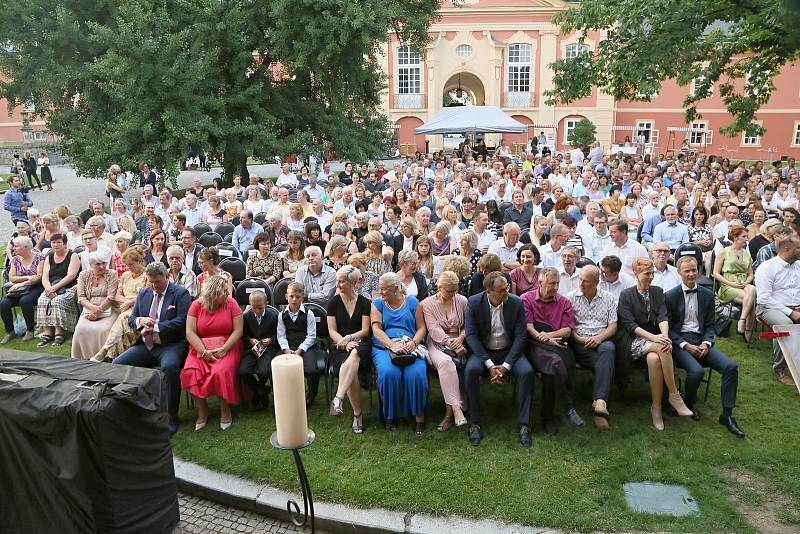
[
  {"x": 97, "y": 290},
  {"x": 25, "y": 275}
]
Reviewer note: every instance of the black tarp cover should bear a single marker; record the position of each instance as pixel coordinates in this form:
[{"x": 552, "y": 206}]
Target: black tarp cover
[{"x": 76, "y": 459}]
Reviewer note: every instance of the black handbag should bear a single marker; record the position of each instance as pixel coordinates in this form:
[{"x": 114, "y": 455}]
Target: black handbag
[{"x": 401, "y": 359}]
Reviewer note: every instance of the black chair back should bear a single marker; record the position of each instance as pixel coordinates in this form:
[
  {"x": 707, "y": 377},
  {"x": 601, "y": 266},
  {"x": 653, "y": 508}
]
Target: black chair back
[
  {"x": 210, "y": 239},
  {"x": 227, "y": 250},
  {"x": 228, "y": 238},
  {"x": 224, "y": 228},
  {"x": 321, "y": 316},
  {"x": 279, "y": 292},
  {"x": 235, "y": 221},
  {"x": 260, "y": 218},
  {"x": 235, "y": 267},
  {"x": 584, "y": 261},
  {"x": 247, "y": 286},
  {"x": 201, "y": 228}
]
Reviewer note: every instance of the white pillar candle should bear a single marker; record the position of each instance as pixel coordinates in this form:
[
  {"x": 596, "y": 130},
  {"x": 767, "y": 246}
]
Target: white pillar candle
[{"x": 288, "y": 387}]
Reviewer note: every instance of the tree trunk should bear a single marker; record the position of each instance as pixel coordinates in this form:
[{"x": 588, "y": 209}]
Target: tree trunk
[{"x": 235, "y": 164}]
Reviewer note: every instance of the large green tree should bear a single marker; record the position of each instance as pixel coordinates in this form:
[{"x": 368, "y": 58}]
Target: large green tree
[
  {"x": 714, "y": 41},
  {"x": 132, "y": 80}
]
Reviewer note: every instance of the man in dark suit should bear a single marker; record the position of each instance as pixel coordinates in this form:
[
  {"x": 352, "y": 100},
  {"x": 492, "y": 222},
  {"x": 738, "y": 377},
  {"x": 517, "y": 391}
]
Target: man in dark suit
[
  {"x": 495, "y": 331},
  {"x": 190, "y": 249},
  {"x": 160, "y": 315},
  {"x": 407, "y": 235},
  {"x": 260, "y": 339},
  {"x": 691, "y": 329}
]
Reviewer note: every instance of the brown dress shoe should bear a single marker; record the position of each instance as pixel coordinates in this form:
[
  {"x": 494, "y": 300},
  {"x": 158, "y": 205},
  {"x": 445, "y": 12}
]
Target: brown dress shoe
[{"x": 601, "y": 422}]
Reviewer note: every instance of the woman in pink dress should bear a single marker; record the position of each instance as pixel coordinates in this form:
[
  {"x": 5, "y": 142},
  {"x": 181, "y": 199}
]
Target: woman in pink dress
[
  {"x": 444, "y": 319},
  {"x": 526, "y": 277},
  {"x": 214, "y": 332}
]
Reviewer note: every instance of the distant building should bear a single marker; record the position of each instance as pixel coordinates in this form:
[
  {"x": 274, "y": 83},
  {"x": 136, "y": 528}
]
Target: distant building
[{"x": 497, "y": 52}]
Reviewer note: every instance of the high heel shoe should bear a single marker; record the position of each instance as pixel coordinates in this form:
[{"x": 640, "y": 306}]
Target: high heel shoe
[
  {"x": 336, "y": 406},
  {"x": 658, "y": 421},
  {"x": 676, "y": 401},
  {"x": 200, "y": 426},
  {"x": 461, "y": 422},
  {"x": 225, "y": 426}
]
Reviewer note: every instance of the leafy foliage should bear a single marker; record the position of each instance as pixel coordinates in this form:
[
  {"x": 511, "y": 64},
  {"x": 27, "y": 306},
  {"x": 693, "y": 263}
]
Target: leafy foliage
[
  {"x": 584, "y": 133},
  {"x": 143, "y": 80},
  {"x": 739, "y": 44}
]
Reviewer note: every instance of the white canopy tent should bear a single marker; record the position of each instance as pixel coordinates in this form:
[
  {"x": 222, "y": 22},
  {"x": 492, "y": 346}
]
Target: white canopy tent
[{"x": 471, "y": 120}]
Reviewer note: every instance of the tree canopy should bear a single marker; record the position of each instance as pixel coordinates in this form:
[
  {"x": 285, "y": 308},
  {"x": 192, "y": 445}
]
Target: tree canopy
[
  {"x": 715, "y": 42},
  {"x": 143, "y": 80}
]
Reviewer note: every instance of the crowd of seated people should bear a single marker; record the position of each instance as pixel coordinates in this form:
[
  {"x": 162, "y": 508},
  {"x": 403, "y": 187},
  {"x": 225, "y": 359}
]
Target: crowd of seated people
[{"x": 468, "y": 268}]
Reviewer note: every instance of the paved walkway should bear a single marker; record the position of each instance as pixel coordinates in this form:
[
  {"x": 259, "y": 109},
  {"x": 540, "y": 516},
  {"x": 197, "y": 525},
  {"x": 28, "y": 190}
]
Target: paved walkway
[{"x": 201, "y": 516}]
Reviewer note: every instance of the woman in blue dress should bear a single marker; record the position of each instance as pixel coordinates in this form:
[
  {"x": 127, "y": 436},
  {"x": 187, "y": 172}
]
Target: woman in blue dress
[{"x": 403, "y": 390}]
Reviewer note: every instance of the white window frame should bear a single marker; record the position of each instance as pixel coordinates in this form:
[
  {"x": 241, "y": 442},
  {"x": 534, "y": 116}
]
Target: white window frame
[
  {"x": 573, "y": 50},
  {"x": 569, "y": 125},
  {"x": 697, "y": 80},
  {"x": 650, "y": 129},
  {"x": 698, "y": 138},
  {"x": 39, "y": 135},
  {"x": 796, "y": 134},
  {"x": 464, "y": 50},
  {"x": 751, "y": 141},
  {"x": 409, "y": 71},
  {"x": 519, "y": 74}
]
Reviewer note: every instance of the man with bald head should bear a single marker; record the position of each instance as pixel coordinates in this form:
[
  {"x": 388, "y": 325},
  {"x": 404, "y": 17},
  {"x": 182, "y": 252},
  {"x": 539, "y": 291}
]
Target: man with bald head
[
  {"x": 507, "y": 247},
  {"x": 592, "y": 338}
]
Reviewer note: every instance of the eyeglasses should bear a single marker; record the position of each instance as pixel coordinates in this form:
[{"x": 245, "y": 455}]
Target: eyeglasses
[{"x": 661, "y": 251}]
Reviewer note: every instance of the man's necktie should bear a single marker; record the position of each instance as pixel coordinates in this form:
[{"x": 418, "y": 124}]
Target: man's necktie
[{"x": 150, "y": 338}]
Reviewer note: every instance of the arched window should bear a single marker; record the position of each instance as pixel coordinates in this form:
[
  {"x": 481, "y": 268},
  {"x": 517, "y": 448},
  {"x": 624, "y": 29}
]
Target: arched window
[{"x": 464, "y": 50}]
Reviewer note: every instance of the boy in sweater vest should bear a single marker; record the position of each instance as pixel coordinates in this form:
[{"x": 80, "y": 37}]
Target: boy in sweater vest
[{"x": 297, "y": 333}]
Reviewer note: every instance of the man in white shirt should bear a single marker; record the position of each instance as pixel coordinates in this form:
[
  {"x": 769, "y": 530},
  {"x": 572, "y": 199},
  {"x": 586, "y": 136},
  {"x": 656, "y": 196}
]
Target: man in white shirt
[
  {"x": 323, "y": 217},
  {"x": 325, "y": 174},
  {"x": 665, "y": 275},
  {"x": 599, "y": 238},
  {"x": 550, "y": 252},
  {"x": 653, "y": 206},
  {"x": 611, "y": 279},
  {"x": 318, "y": 279},
  {"x": 192, "y": 212},
  {"x": 506, "y": 248},
  {"x": 576, "y": 156},
  {"x": 777, "y": 284},
  {"x": 286, "y": 178},
  {"x": 585, "y": 227},
  {"x": 347, "y": 202},
  {"x": 313, "y": 189},
  {"x": 670, "y": 230},
  {"x": 721, "y": 229},
  {"x": 568, "y": 271},
  {"x": 622, "y": 247},
  {"x": 99, "y": 210},
  {"x": 485, "y": 237}
]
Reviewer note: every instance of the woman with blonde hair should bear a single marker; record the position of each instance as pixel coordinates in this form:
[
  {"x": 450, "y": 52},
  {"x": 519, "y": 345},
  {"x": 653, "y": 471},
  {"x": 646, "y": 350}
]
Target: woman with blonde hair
[
  {"x": 440, "y": 239},
  {"x": 643, "y": 332},
  {"x": 349, "y": 330},
  {"x": 62, "y": 212},
  {"x": 121, "y": 336},
  {"x": 214, "y": 329},
  {"x": 374, "y": 253},
  {"x": 295, "y": 219},
  {"x": 74, "y": 231},
  {"x": 368, "y": 285},
  {"x": 444, "y": 321},
  {"x": 414, "y": 282}
]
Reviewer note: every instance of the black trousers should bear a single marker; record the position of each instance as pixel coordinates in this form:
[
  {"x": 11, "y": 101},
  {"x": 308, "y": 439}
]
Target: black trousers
[
  {"x": 31, "y": 177},
  {"x": 523, "y": 374},
  {"x": 694, "y": 370},
  {"x": 254, "y": 371},
  {"x": 557, "y": 366}
]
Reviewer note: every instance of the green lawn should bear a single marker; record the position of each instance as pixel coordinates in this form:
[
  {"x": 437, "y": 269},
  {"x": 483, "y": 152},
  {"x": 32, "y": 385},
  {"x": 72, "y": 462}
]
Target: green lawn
[{"x": 571, "y": 481}]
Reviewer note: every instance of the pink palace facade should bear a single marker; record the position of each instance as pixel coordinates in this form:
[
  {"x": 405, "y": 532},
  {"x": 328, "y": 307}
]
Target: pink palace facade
[{"x": 497, "y": 52}]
